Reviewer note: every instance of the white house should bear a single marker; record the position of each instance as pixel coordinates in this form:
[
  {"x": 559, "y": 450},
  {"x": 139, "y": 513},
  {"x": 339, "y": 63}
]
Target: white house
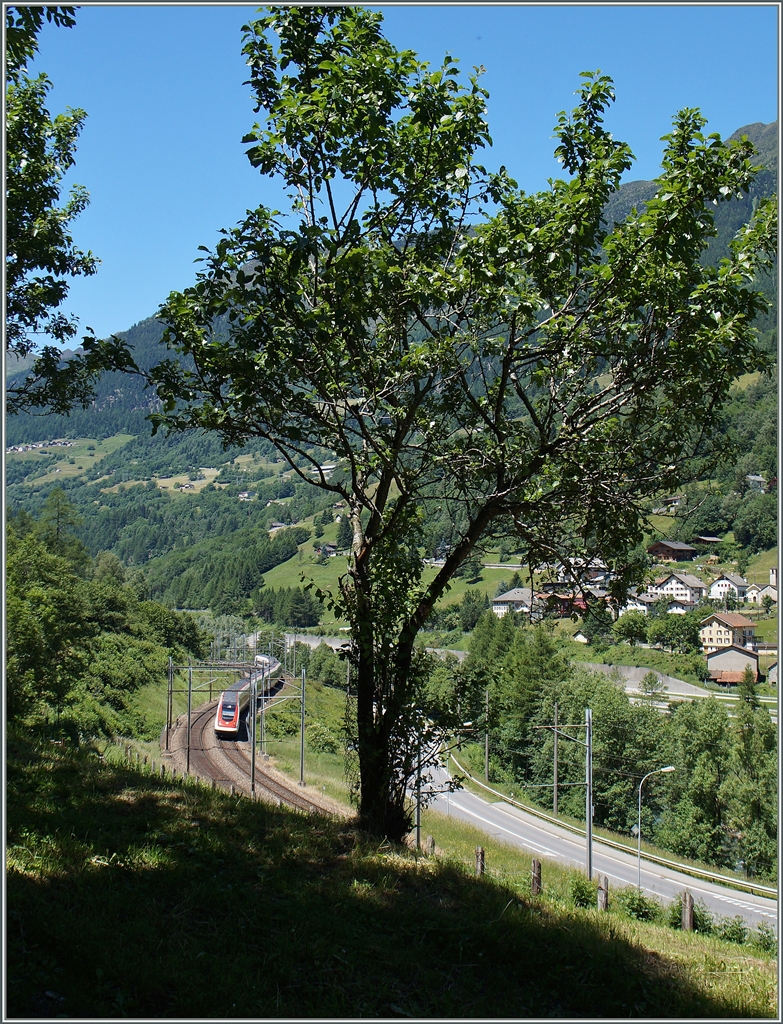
[
  {"x": 679, "y": 586},
  {"x": 637, "y": 603},
  {"x": 679, "y": 607},
  {"x": 729, "y": 583},
  {"x": 520, "y": 599},
  {"x": 756, "y": 593}
]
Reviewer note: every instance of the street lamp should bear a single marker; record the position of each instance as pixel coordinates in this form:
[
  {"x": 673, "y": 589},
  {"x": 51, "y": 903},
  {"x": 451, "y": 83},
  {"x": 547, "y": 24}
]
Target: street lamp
[{"x": 668, "y": 768}]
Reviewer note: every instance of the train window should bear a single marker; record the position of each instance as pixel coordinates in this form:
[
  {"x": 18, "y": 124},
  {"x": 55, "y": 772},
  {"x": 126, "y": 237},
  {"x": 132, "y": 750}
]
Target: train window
[{"x": 228, "y": 710}]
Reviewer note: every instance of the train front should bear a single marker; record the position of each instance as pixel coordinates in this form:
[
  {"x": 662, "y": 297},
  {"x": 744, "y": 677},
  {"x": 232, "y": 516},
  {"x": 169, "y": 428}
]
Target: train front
[{"x": 229, "y": 710}]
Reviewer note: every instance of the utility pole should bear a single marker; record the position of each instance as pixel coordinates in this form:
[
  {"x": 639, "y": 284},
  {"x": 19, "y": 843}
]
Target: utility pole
[
  {"x": 169, "y": 699},
  {"x": 418, "y": 792},
  {"x": 254, "y": 712},
  {"x": 301, "y": 751},
  {"x": 589, "y": 787},
  {"x": 587, "y": 743},
  {"x": 554, "y": 794},
  {"x": 486, "y": 739},
  {"x": 190, "y": 701}
]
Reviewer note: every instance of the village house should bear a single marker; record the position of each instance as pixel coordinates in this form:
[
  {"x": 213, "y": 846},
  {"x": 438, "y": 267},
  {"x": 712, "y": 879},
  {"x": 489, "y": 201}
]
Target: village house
[
  {"x": 679, "y": 586},
  {"x": 669, "y": 504},
  {"x": 727, "y": 664},
  {"x": 591, "y": 571},
  {"x": 671, "y": 551},
  {"x": 637, "y": 603},
  {"x": 726, "y": 629},
  {"x": 756, "y": 593},
  {"x": 756, "y": 482},
  {"x": 676, "y": 607},
  {"x": 520, "y": 599},
  {"x": 729, "y": 583}
]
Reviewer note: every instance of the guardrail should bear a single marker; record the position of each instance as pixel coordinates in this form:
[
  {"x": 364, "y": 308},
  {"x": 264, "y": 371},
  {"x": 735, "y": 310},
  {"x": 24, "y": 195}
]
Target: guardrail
[{"x": 687, "y": 869}]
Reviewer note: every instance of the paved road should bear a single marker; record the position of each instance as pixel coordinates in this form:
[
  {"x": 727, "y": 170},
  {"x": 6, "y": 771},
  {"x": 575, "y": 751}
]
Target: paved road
[
  {"x": 512, "y": 825},
  {"x": 540, "y": 838}
]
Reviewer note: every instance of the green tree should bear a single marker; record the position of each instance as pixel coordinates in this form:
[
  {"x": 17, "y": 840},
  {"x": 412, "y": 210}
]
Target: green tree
[
  {"x": 676, "y": 633},
  {"x": 631, "y": 628},
  {"x": 694, "y": 822},
  {"x": 55, "y": 526},
  {"x": 470, "y": 569},
  {"x": 473, "y": 605},
  {"x": 40, "y": 252},
  {"x": 627, "y": 742},
  {"x": 756, "y": 524},
  {"x": 47, "y": 628},
  {"x": 597, "y": 624},
  {"x": 527, "y": 374},
  {"x": 751, "y": 787},
  {"x": 747, "y": 688},
  {"x": 344, "y": 534},
  {"x": 652, "y": 687},
  {"x": 326, "y": 667},
  {"x": 303, "y": 609},
  {"x": 533, "y": 666}
]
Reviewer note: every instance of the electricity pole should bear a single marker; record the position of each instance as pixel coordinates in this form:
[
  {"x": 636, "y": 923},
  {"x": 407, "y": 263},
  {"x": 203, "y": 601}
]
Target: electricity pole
[
  {"x": 587, "y": 743},
  {"x": 554, "y": 795},
  {"x": 589, "y": 787},
  {"x": 486, "y": 739},
  {"x": 254, "y": 713},
  {"x": 301, "y": 751}
]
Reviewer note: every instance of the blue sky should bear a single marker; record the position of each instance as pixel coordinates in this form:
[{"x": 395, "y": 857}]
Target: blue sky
[{"x": 162, "y": 85}]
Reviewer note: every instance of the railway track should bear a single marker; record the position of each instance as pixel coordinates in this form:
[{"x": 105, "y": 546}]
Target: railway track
[{"x": 227, "y": 762}]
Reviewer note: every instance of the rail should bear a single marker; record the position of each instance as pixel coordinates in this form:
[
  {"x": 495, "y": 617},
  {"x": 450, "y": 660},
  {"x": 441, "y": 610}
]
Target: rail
[{"x": 711, "y": 876}]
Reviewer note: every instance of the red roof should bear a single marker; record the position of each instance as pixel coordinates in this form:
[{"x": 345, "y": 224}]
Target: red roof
[{"x": 730, "y": 677}]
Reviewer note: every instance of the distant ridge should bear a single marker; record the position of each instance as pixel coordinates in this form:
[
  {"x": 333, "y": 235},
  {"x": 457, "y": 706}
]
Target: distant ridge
[{"x": 765, "y": 139}]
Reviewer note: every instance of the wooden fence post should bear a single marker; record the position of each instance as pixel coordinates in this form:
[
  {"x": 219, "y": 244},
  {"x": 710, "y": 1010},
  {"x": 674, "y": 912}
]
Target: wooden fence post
[
  {"x": 535, "y": 878},
  {"x": 687, "y": 911},
  {"x": 479, "y": 860},
  {"x": 603, "y": 892}
]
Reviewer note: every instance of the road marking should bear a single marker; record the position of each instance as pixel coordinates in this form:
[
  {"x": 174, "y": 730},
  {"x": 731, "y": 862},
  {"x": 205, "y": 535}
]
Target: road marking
[
  {"x": 494, "y": 825},
  {"x": 609, "y": 855}
]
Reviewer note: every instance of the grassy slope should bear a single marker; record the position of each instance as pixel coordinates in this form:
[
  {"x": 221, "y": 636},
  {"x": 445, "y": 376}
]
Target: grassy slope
[
  {"x": 129, "y": 895},
  {"x": 74, "y": 462}
]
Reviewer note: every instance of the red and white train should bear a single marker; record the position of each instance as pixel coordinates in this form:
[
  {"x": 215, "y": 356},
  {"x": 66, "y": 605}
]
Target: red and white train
[{"x": 234, "y": 701}]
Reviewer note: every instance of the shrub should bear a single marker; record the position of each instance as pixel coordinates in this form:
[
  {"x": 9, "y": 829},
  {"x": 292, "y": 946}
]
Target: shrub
[
  {"x": 635, "y": 904},
  {"x": 732, "y": 929},
  {"x": 702, "y": 918},
  {"x": 282, "y": 723},
  {"x": 320, "y": 739},
  {"x": 765, "y": 939},
  {"x": 583, "y": 891}
]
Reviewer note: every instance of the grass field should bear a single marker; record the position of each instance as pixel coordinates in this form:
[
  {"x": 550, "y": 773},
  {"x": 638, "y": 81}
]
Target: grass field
[
  {"x": 75, "y": 461},
  {"x": 129, "y": 895},
  {"x": 171, "y": 483}
]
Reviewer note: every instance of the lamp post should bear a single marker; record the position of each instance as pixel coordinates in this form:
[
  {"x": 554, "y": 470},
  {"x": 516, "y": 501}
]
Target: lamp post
[{"x": 668, "y": 768}]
